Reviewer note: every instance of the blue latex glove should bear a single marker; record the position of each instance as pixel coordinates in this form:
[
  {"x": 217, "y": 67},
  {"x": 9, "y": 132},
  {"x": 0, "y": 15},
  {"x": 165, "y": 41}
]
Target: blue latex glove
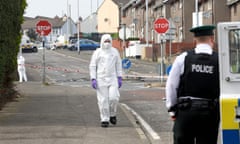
[
  {"x": 94, "y": 83},
  {"x": 119, "y": 82}
]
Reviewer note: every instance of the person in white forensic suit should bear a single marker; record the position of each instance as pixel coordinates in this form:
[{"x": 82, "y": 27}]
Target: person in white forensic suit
[
  {"x": 106, "y": 77},
  {"x": 21, "y": 69}
]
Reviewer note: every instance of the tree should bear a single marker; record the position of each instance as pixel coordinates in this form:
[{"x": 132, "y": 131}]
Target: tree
[
  {"x": 11, "y": 18},
  {"x": 32, "y": 34}
]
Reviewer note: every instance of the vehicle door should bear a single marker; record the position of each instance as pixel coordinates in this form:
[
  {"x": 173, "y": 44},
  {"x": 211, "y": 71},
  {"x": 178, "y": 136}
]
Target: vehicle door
[{"x": 229, "y": 67}]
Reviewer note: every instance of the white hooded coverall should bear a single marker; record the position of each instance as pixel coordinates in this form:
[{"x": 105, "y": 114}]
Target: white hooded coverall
[
  {"x": 106, "y": 67},
  {"x": 21, "y": 69}
]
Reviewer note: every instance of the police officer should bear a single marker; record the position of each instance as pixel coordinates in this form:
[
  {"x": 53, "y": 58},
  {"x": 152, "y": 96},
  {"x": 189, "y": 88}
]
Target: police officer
[{"x": 192, "y": 91}]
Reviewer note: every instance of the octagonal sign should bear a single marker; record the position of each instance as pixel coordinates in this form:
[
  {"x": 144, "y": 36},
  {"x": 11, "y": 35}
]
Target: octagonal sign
[
  {"x": 43, "y": 27},
  {"x": 161, "y": 25}
]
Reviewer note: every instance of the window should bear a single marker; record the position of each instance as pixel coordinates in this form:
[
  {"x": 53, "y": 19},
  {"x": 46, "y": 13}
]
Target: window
[
  {"x": 209, "y": 5},
  {"x": 180, "y": 4},
  {"x": 235, "y": 10},
  {"x": 234, "y": 50}
]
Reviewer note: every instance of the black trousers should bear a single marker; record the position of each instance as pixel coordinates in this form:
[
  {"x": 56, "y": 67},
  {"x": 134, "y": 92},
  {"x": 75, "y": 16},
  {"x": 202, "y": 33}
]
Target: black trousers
[{"x": 196, "y": 126}]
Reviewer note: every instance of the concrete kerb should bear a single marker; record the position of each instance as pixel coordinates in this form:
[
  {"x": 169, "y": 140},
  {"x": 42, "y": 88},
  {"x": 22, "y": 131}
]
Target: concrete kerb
[
  {"x": 152, "y": 136},
  {"x": 135, "y": 123}
]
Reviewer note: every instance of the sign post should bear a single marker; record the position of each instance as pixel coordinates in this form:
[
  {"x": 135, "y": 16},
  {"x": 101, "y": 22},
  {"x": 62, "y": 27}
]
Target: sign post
[
  {"x": 161, "y": 26},
  {"x": 43, "y": 28},
  {"x": 170, "y": 35}
]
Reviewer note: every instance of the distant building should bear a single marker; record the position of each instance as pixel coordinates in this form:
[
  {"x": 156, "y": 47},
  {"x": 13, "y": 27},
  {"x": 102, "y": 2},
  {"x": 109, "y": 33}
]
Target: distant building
[
  {"x": 234, "y": 6},
  {"x": 89, "y": 24},
  {"x": 109, "y": 16},
  {"x": 60, "y": 26}
]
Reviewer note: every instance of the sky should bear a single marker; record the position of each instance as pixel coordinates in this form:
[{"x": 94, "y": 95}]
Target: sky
[{"x": 51, "y": 8}]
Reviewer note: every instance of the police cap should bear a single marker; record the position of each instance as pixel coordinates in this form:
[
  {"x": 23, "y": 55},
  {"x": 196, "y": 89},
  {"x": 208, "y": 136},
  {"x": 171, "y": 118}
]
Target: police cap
[{"x": 206, "y": 30}]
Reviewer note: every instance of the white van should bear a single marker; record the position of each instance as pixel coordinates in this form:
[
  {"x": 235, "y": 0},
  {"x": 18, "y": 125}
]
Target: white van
[{"x": 134, "y": 49}]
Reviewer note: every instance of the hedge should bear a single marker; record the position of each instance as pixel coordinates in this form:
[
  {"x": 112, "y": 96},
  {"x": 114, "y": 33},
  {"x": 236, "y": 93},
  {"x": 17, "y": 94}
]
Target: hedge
[{"x": 11, "y": 18}]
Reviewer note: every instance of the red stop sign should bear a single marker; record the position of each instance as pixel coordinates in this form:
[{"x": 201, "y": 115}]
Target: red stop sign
[
  {"x": 43, "y": 27},
  {"x": 161, "y": 25}
]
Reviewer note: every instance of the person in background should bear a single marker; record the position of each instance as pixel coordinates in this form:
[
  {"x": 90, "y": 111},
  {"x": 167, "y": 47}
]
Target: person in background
[
  {"x": 21, "y": 69},
  {"x": 106, "y": 77},
  {"x": 193, "y": 90}
]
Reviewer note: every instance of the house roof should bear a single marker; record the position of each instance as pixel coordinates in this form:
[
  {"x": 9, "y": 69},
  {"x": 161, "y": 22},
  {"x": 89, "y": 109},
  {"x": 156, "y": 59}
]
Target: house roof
[
  {"x": 131, "y": 3},
  {"x": 30, "y": 23},
  {"x": 120, "y": 2}
]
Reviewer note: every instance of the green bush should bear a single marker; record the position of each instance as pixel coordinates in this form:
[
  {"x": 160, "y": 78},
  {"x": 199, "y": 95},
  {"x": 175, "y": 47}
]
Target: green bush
[
  {"x": 11, "y": 18},
  {"x": 114, "y": 35}
]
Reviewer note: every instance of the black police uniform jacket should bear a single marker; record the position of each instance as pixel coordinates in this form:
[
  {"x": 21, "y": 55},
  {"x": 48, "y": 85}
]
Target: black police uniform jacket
[{"x": 201, "y": 76}]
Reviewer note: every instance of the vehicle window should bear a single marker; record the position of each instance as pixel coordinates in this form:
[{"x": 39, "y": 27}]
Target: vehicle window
[
  {"x": 87, "y": 42},
  {"x": 234, "y": 50},
  {"x": 81, "y": 42}
]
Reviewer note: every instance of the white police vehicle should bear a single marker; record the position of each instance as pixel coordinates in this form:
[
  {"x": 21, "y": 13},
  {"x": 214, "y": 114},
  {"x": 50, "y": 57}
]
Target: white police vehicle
[{"x": 229, "y": 64}]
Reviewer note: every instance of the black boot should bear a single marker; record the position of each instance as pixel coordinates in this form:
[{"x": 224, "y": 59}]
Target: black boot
[
  {"x": 113, "y": 120},
  {"x": 104, "y": 124}
]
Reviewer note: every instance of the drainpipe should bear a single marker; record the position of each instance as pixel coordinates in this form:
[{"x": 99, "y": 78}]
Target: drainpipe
[
  {"x": 196, "y": 10},
  {"x": 147, "y": 22}
]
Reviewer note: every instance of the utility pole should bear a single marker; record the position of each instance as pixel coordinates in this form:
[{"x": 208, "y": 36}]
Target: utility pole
[
  {"x": 97, "y": 4},
  {"x": 67, "y": 21},
  {"x": 78, "y": 29},
  {"x": 91, "y": 7}
]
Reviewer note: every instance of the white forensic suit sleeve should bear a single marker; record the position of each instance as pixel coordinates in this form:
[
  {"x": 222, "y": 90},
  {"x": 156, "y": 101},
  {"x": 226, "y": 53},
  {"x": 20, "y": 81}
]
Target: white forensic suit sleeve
[
  {"x": 119, "y": 65},
  {"x": 93, "y": 66}
]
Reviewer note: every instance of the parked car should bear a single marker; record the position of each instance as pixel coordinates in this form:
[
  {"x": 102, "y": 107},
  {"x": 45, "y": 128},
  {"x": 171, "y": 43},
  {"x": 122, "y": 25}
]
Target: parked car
[
  {"x": 29, "y": 47},
  {"x": 50, "y": 46},
  {"x": 85, "y": 44},
  {"x": 71, "y": 43},
  {"x": 26, "y": 44}
]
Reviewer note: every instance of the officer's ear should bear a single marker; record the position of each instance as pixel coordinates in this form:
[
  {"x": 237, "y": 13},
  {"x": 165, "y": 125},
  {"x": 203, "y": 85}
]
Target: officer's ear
[
  {"x": 194, "y": 41},
  {"x": 211, "y": 41}
]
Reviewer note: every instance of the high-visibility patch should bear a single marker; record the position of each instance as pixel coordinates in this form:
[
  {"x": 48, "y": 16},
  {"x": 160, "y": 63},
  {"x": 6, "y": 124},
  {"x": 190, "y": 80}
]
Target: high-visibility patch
[
  {"x": 230, "y": 123},
  {"x": 228, "y": 113},
  {"x": 230, "y": 137}
]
